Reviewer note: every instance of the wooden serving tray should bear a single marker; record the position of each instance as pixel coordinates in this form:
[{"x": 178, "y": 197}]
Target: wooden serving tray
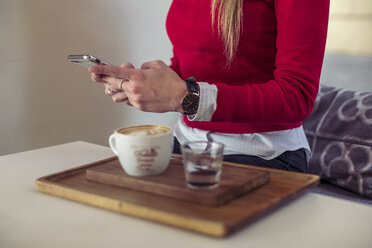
[
  {"x": 234, "y": 182},
  {"x": 216, "y": 221}
]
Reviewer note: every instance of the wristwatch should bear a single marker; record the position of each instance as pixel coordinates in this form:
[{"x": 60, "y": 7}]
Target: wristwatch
[{"x": 190, "y": 102}]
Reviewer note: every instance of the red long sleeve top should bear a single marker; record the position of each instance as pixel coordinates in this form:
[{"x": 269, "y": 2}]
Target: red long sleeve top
[{"x": 273, "y": 80}]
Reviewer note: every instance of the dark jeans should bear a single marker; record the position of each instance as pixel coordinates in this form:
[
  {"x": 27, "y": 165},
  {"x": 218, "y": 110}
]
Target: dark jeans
[{"x": 289, "y": 160}]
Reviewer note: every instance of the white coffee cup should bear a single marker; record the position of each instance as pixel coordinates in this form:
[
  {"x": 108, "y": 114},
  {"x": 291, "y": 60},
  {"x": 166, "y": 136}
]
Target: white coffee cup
[{"x": 143, "y": 150}]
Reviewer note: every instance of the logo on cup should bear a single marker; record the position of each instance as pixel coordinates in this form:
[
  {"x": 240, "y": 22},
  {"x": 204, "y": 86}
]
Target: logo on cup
[{"x": 145, "y": 157}]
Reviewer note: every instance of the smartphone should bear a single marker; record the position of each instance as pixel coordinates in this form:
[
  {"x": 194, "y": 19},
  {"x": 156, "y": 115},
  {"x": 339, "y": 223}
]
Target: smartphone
[{"x": 86, "y": 60}]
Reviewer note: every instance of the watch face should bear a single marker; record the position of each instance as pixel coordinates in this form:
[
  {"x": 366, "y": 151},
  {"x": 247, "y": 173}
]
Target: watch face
[{"x": 190, "y": 103}]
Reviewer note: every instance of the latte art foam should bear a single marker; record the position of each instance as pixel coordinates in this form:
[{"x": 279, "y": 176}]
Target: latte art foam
[{"x": 148, "y": 130}]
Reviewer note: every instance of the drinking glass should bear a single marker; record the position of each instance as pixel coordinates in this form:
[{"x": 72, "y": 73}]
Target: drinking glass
[{"x": 202, "y": 164}]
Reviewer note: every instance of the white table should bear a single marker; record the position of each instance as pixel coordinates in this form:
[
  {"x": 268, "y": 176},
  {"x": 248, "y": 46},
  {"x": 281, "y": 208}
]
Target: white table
[{"x": 29, "y": 218}]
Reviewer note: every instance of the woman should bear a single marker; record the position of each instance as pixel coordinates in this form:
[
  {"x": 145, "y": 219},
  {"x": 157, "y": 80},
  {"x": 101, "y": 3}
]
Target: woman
[{"x": 257, "y": 66}]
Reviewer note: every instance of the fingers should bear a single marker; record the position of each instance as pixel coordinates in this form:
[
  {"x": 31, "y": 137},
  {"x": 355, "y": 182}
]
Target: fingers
[
  {"x": 153, "y": 64},
  {"x": 116, "y": 95},
  {"x": 120, "y": 97},
  {"x": 114, "y": 83},
  {"x": 114, "y": 79},
  {"x": 108, "y": 90},
  {"x": 96, "y": 78},
  {"x": 111, "y": 70},
  {"x": 127, "y": 65}
]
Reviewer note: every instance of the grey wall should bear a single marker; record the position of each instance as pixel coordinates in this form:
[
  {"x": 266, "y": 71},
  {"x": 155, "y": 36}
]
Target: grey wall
[{"x": 46, "y": 100}]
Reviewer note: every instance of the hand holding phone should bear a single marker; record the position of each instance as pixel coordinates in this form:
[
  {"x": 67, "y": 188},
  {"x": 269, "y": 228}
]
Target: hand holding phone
[
  {"x": 112, "y": 84},
  {"x": 86, "y": 60}
]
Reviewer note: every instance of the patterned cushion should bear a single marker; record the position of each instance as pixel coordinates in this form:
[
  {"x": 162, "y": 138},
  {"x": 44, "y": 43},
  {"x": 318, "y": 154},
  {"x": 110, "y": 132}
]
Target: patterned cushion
[{"x": 339, "y": 132}]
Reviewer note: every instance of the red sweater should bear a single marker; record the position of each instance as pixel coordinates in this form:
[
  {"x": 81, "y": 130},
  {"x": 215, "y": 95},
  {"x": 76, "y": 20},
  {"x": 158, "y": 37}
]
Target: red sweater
[{"x": 273, "y": 81}]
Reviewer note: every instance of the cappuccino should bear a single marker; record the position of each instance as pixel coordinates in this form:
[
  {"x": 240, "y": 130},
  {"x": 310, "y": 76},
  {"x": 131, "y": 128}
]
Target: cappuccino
[
  {"x": 145, "y": 130},
  {"x": 143, "y": 150}
]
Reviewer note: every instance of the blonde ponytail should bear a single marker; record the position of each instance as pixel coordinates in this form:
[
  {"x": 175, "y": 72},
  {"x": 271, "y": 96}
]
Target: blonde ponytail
[{"x": 229, "y": 17}]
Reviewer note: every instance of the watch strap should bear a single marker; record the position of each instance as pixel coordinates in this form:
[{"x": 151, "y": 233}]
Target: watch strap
[{"x": 191, "y": 85}]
